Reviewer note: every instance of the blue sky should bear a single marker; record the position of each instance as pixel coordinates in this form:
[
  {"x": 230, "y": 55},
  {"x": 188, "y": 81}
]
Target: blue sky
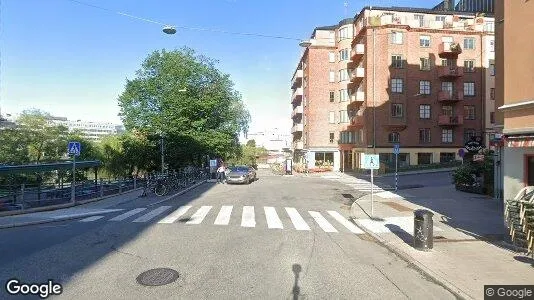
[{"x": 72, "y": 60}]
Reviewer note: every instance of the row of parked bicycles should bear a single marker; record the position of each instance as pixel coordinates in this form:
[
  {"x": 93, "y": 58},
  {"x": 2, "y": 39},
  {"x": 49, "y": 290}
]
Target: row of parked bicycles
[{"x": 162, "y": 184}]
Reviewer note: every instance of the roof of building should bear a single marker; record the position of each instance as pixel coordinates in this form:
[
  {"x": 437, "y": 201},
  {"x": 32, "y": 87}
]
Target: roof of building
[
  {"x": 418, "y": 10},
  {"x": 333, "y": 27}
]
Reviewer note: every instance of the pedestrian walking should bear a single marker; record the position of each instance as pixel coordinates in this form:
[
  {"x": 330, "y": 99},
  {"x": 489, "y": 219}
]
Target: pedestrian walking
[{"x": 220, "y": 174}]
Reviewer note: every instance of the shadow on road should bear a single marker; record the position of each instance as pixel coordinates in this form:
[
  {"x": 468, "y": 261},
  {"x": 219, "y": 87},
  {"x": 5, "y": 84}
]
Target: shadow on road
[
  {"x": 401, "y": 233},
  {"x": 296, "y": 289}
]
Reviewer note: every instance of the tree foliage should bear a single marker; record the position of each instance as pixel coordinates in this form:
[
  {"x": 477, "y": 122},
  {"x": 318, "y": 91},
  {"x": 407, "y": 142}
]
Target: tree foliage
[{"x": 185, "y": 98}]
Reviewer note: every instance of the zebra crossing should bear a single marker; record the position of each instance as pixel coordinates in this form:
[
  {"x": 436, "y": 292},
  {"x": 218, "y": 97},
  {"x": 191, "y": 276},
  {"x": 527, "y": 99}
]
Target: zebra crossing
[
  {"x": 247, "y": 216},
  {"x": 361, "y": 185}
]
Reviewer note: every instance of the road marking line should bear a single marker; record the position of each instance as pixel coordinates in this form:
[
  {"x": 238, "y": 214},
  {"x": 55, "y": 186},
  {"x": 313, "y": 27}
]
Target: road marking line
[
  {"x": 350, "y": 226},
  {"x": 296, "y": 219},
  {"x": 128, "y": 214},
  {"x": 248, "y": 219},
  {"x": 223, "y": 218},
  {"x": 152, "y": 214},
  {"x": 91, "y": 219},
  {"x": 175, "y": 215},
  {"x": 273, "y": 221},
  {"x": 199, "y": 215},
  {"x": 322, "y": 222}
]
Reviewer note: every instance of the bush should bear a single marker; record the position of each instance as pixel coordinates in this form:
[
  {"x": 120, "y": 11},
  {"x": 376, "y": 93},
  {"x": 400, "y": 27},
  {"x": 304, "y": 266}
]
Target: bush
[{"x": 463, "y": 175}]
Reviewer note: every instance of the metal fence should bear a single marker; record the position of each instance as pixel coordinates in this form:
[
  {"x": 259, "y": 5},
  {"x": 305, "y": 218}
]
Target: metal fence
[{"x": 23, "y": 196}]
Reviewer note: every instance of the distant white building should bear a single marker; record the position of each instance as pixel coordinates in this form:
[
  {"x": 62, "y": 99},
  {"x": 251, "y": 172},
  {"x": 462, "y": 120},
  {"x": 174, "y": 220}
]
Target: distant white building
[
  {"x": 91, "y": 130},
  {"x": 274, "y": 139}
]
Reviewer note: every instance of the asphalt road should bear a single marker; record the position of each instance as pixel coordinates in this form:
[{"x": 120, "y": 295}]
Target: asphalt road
[
  {"x": 242, "y": 254},
  {"x": 414, "y": 180}
]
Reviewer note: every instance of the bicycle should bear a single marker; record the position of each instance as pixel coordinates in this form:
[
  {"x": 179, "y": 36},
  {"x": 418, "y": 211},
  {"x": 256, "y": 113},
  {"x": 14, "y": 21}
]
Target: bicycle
[{"x": 155, "y": 185}]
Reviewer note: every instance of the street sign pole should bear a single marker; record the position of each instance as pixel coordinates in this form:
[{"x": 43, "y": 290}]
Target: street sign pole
[
  {"x": 396, "y": 169},
  {"x": 372, "y": 195},
  {"x": 73, "y": 186}
]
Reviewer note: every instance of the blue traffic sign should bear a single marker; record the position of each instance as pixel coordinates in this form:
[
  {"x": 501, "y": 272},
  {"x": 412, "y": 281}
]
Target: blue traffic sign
[
  {"x": 371, "y": 161},
  {"x": 74, "y": 148},
  {"x": 396, "y": 149}
]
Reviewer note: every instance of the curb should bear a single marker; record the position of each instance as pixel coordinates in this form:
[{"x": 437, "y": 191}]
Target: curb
[
  {"x": 179, "y": 193},
  {"x": 416, "y": 264}
]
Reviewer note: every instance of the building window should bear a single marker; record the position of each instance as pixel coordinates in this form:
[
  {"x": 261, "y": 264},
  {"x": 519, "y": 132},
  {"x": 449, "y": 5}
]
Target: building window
[
  {"x": 332, "y": 76},
  {"x": 492, "y": 117},
  {"x": 424, "y": 158},
  {"x": 447, "y": 86},
  {"x": 424, "y": 111},
  {"x": 469, "y": 112},
  {"x": 492, "y": 93},
  {"x": 492, "y": 69},
  {"x": 469, "y": 88},
  {"x": 396, "y": 37},
  {"x": 331, "y": 57},
  {"x": 332, "y": 96},
  {"x": 469, "y": 134},
  {"x": 343, "y": 116},
  {"x": 469, "y": 65},
  {"x": 446, "y": 110},
  {"x": 446, "y": 135},
  {"x": 393, "y": 137},
  {"x": 492, "y": 46},
  {"x": 424, "y": 87},
  {"x": 440, "y": 18},
  {"x": 332, "y": 117},
  {"x": 397, "y": 110},
  {"x": 469, "y": 43},
  {"x": 424, "y": 41},
  {"x": 421, "y": 19},
  {"x": 343, "y": 75},
  {"x": 397, "y": 62},
  {"x": 396, "y": 85},
  {"x": 344, "y": 54},
  {"x": 343, "y": 95},
  {"x": 345, "y": 33},
  {"x": 424, "y": 135},
  {"x": 332, "y": 136},
  {"x": 445, "y": 157},
  {"x": 424, "y": 63}
]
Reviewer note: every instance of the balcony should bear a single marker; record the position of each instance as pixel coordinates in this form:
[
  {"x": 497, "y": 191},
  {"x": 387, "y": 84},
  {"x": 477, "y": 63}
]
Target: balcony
[
  {"x": 356, "y": 100},
  {"x": 450, "y": 96},
  {"x": 357, "y": 74},
  {"x": 357, "y": 51},
  {"x": 298, "y": 145},
  {"x": 297, "y": 95},
  {"x": 356, "y": 122},
  {"x": 449, "y": 50},
  {"x": 297, "y": 79},
  {"x": 446, "y": 120},
  {"x": 297, "y": 128},
  {"x": 394, "y": 123},
  {"x": 297, "y": 111},
  {"x": 450, "y": 72}
]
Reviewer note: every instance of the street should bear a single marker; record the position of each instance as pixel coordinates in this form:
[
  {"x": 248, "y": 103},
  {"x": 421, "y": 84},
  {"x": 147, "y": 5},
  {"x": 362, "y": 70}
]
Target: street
[{"x": 277, "y": 238}]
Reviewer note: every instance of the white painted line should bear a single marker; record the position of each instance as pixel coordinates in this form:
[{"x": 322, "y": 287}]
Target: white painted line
[
  {"x": 199, "y": 215},
  {"x": 223, "y": 218},
  {"x": 175, "y": 215},
  {"x": 322, "y": 222},
  {"x": 152, "y": 214},
  {"x": 273, "y": 221},
  {"x": 248, "y": 219},
  {"x": 128, "y": 214},
  {"x": 74, "y": 213},
  {"x": 296, "y": 219},
  {"x": 91, "y": 219},
  {"x": 350, "y": 226}
]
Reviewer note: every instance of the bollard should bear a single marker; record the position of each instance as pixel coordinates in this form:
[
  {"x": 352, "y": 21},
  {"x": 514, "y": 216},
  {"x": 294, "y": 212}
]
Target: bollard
[
  {"x": 101, "y": 187},
  {"x": 135, "y": 182},
  {"x": 120, "y": 186},
  {"x": 423, "y": 227}
]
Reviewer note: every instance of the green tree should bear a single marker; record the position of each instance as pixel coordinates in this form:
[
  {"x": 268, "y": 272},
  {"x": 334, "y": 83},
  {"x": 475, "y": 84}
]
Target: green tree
[
  {"x": 13, "y": 148},
  {"x": 185, "y": 98},
  {"x": 251, "y": 143}
]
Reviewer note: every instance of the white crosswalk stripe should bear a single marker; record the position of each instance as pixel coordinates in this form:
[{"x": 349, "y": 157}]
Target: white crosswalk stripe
[
  {"x": 296, "y": 219},
  {"x": 128, "y": 214},
  {"x": 151, "y": 215},
  {"x": 175, "y": 215},
  {"x": 223, "y": 218},
  {"x": 273, "y": 221},
  {"x": 350, "y": 226},
  {"x": 322, "y": 222},
  {"x": 248, "y": 219},
  {"x": 91, "y": 219},
  {"x": 199, "y": 216}
]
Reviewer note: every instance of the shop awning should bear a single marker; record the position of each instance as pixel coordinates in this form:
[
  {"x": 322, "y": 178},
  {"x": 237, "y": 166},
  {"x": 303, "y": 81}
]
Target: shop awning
[{"x": 521, "y": 141}]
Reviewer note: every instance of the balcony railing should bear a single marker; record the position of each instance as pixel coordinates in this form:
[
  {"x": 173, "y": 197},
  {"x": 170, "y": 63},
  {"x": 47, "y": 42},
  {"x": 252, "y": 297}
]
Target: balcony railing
[
  {"x": 358, "y": 50},
  {"x": 450, "y": 71},
  {"x": 297, "y": 110},
  {"x": 297, "y": 94},
  {"x": 452, "y": 96},
  {"x": 298, "y": 145},
  {"x": 446, "y": 120},
  {"x": 356, "y": 122},
  {"x": 297, "y": 79},
  {"x": 357, "y": 73},
  {"x": 297, "y": 128}
]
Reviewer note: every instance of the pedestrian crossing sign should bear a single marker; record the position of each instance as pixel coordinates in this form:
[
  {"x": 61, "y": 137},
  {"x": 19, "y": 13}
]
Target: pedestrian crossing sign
[
  {"x": 371, "y": 161},
  {"x": 74, "y": 148}
]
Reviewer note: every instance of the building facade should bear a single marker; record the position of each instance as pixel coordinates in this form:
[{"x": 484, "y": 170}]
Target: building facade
[
  {"x": 272, "y": 139},
  {"x": 91, "y": 130},
  {"x": 515, "y": 92}
]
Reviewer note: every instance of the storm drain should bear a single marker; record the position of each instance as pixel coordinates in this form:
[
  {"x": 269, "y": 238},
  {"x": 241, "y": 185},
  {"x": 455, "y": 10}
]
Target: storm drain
[{"x": 157, "y": 277}]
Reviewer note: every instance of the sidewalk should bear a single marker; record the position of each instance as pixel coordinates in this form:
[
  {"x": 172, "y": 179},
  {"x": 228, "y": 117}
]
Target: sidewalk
[
  {"x": 468, "y": 252},
  {"x": 90, "y": 208}
]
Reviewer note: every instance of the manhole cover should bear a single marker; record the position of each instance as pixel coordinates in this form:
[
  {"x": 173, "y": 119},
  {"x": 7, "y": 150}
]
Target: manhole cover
[{"x": 157, "y": 277}]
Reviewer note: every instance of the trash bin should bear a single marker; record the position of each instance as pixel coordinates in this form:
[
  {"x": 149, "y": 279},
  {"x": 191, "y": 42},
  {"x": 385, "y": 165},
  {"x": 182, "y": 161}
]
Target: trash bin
[{"x": 423, "y": 230}]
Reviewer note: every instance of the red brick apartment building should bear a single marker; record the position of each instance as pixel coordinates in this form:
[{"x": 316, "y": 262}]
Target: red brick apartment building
[{"x": 416, "y": 77}]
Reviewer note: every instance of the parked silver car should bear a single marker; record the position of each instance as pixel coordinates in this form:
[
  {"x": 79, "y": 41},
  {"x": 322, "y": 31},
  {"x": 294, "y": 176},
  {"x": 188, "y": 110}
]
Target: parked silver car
[{"x": 241, "y": 174}]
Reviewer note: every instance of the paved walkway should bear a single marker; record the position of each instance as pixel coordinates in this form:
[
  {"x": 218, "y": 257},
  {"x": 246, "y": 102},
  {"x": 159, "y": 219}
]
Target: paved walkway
[{"x": 468, "y": 250}]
